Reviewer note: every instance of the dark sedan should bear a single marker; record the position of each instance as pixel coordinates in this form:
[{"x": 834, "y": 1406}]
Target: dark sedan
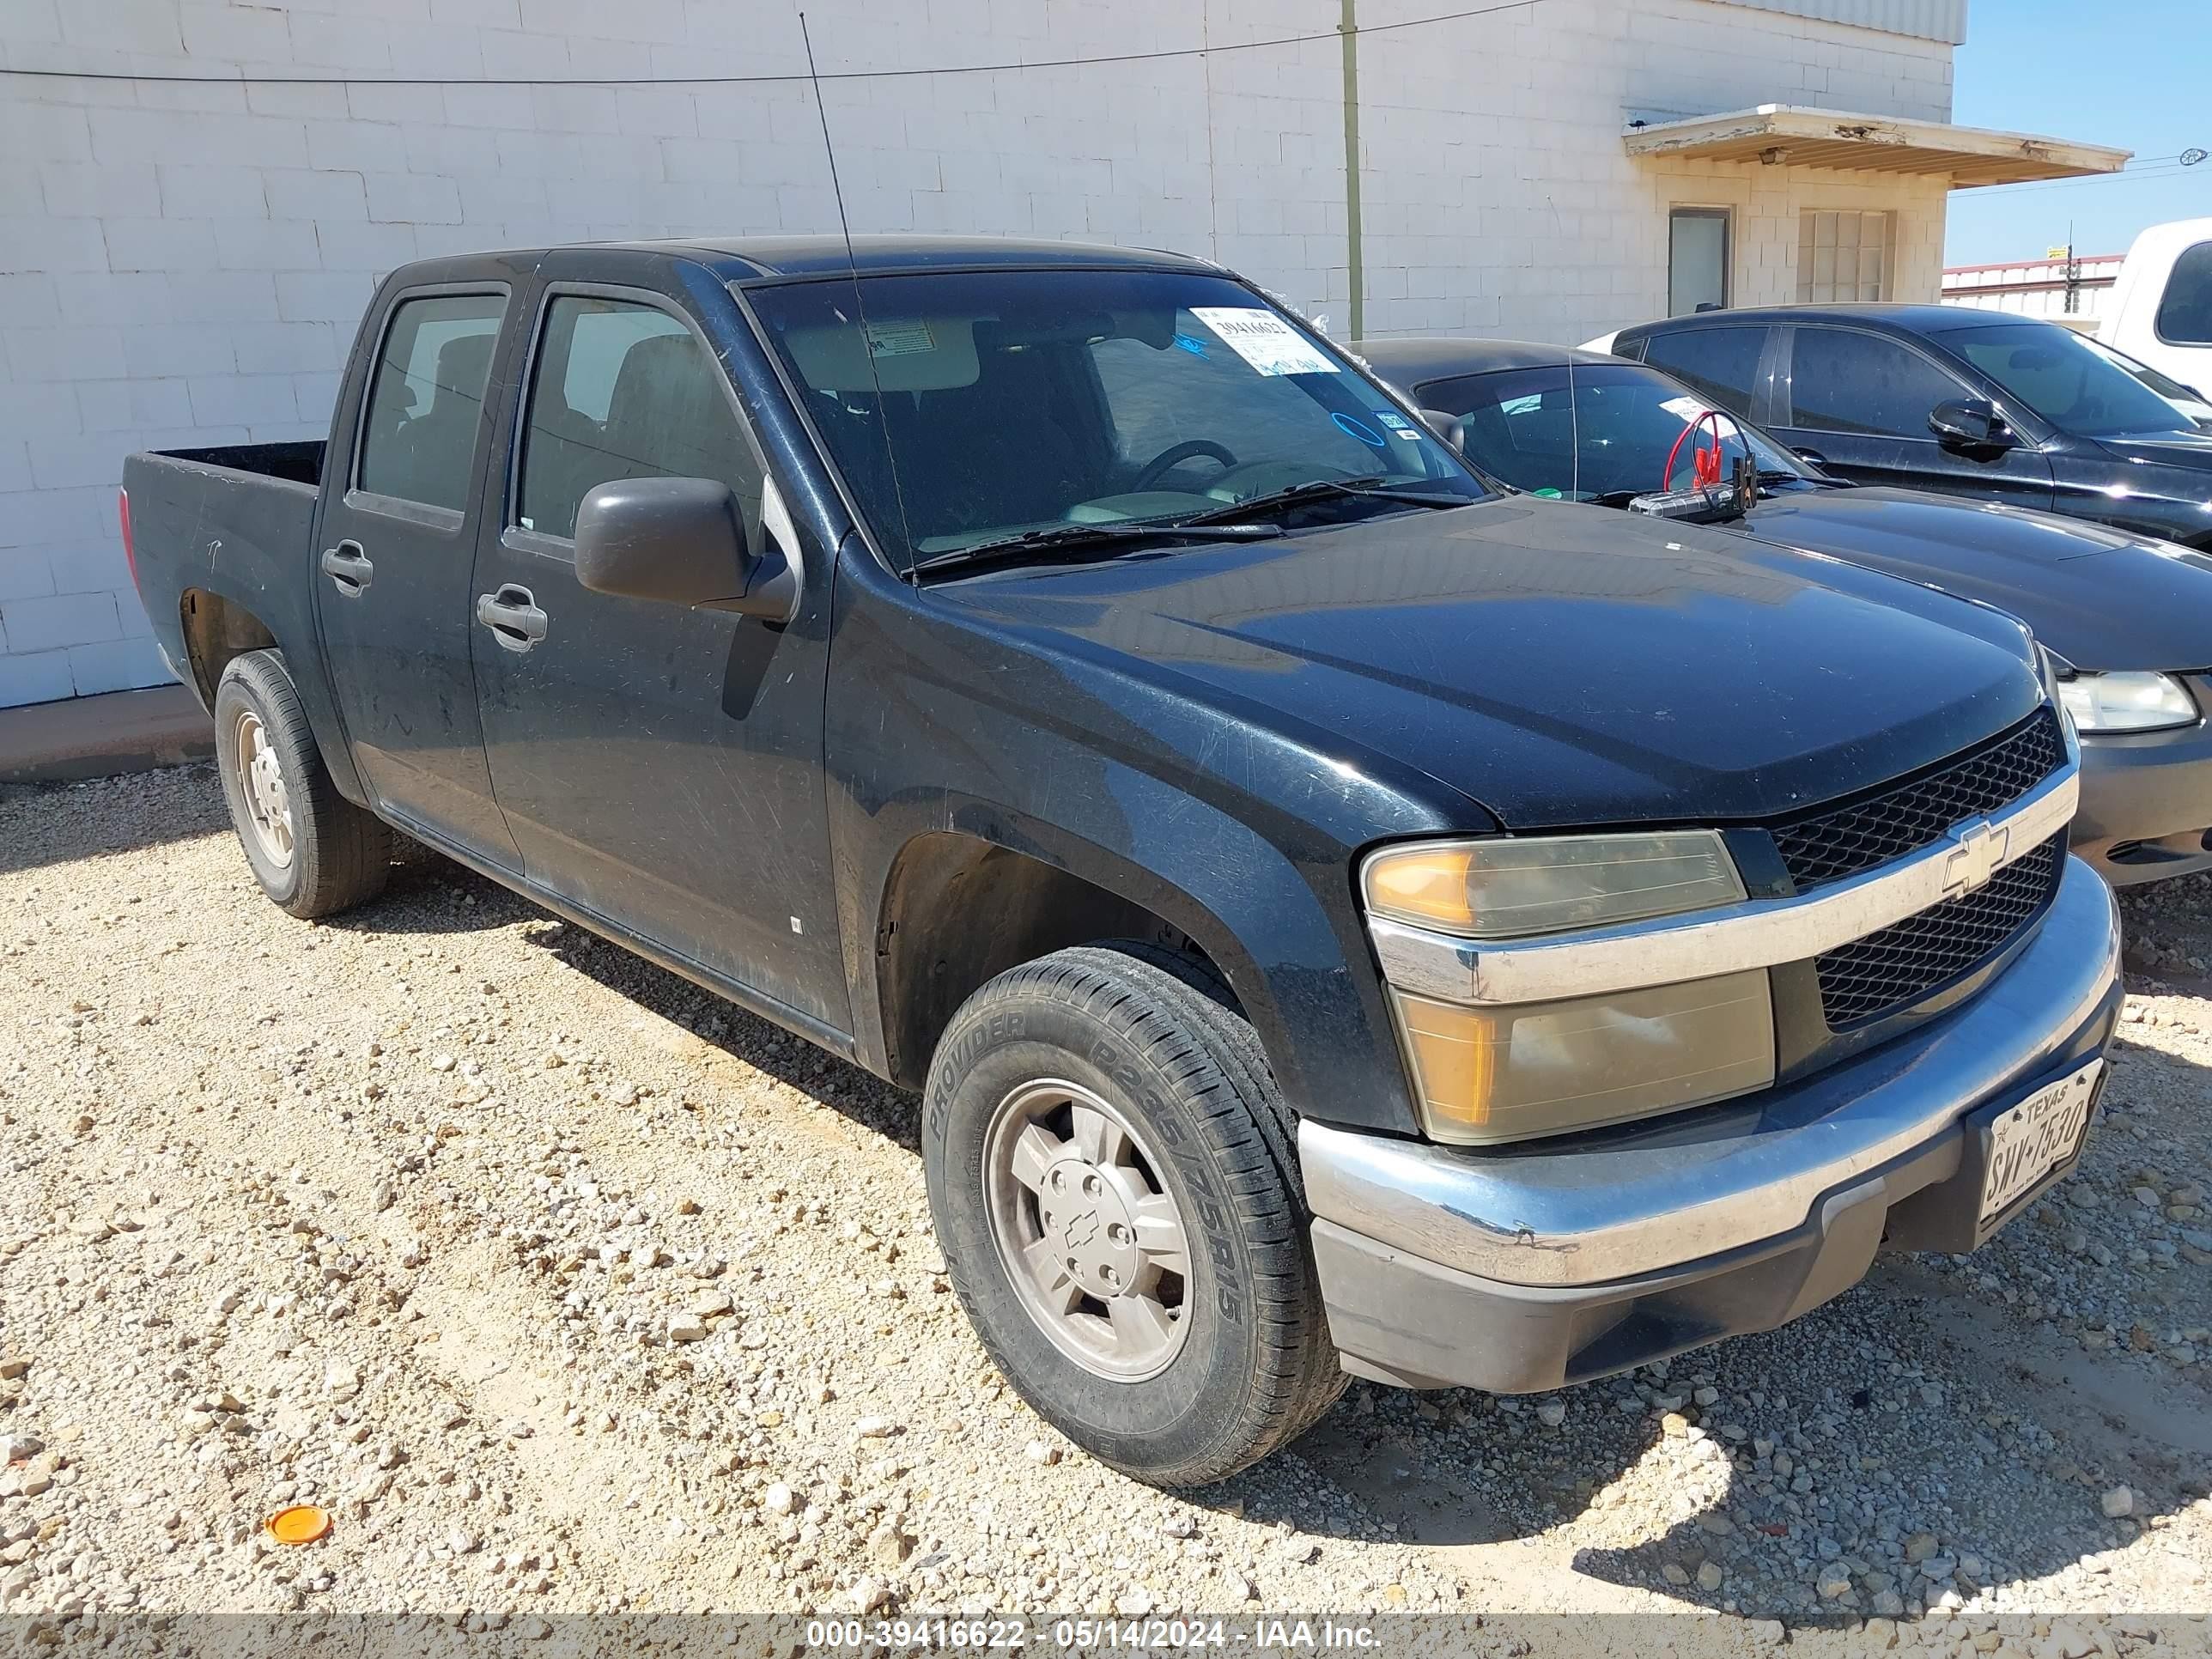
[
  {"x": 1954, "y": 399},
  {"x": 2129, "y": 617}
]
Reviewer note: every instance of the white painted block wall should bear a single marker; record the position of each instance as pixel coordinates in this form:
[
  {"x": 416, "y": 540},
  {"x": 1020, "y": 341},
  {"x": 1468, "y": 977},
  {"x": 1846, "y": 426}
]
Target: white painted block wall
[{"x": 185, "y": 263}]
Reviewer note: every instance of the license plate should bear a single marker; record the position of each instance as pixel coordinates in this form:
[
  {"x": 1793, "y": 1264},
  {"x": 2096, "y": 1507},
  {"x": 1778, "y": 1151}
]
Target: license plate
[{"x": 2041, "y": 1132}]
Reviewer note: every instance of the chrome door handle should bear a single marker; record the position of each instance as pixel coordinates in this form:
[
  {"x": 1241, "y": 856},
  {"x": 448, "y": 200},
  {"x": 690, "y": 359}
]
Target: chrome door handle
[
  {"x": 348, "y": 567},
  {"x": 513, "y": 616}
]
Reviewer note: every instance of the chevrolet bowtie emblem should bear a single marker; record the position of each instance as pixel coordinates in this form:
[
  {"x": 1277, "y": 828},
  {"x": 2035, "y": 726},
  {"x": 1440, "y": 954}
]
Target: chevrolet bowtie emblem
[{"x": 1977, "y": 850}]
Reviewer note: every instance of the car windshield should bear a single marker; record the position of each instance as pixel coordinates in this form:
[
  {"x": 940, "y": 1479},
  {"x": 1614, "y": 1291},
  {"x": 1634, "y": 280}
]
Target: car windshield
[
  {"x": 974, "y": 407},
  {"x": 1627, "y": 428},
  {"x": 2060, "y": 376},
  {"x": 2187, "y": 398}
]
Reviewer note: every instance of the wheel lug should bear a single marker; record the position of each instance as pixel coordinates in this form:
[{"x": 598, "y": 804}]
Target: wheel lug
[
  {"x": 1109, "y": 1275},
  {"x": 1059, "y": 1181},
  {"x": 1118, "y": 1233},
  {"x": 1093, "y": 1186}
]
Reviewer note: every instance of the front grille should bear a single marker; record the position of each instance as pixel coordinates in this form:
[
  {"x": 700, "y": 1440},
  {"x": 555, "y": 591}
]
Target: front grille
[
  {"x": 1870, "y": 976},
  {"x": 1843, "y": 840}
]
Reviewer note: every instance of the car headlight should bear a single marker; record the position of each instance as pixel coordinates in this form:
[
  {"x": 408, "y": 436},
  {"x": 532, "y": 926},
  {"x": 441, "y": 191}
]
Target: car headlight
[
  {"x": 1490, "y": 1073},
  {"x": 2132, "y": 702}
]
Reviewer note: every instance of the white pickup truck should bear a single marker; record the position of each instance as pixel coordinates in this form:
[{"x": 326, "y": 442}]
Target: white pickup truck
[{"x": 2162, "y": 307}]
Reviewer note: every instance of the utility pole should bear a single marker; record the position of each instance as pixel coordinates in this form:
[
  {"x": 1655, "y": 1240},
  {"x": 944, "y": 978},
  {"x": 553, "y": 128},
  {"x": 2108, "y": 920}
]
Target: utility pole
[{"x": 1348, "y": 28}]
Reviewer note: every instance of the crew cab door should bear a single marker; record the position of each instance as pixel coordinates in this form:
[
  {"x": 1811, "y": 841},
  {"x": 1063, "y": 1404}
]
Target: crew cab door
[
  {"x": 661, "y": 767},
  {"x": 1858, "y": 402},
  {"x": 393, "y": 563}
]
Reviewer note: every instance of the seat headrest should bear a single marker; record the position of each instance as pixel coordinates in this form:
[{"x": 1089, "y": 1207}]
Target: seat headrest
[{"x": 464, "y": 365}]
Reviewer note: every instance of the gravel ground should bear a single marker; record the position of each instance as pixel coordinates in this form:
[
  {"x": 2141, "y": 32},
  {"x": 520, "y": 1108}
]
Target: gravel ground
[{"x": 568, "y": 1288}]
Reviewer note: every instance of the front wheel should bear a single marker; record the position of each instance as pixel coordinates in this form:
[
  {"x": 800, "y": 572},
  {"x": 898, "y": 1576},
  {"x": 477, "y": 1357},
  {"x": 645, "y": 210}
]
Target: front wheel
[
  {"x": 1110, "y": 1169},
  {"x": 313, "y": 851}
]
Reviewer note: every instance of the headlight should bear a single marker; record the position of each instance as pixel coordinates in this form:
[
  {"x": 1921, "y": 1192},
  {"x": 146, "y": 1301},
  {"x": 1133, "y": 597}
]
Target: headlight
[
  {"x": 1543, "y": 1068},
  {"x": 2136, "y": 701},
  {"x": 1513, "y": 889},
  {"x": 1495, "y": 1073}
]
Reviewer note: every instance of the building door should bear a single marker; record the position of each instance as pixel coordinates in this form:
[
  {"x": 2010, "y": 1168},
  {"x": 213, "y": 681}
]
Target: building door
[{"x": 1697, "y": 260}]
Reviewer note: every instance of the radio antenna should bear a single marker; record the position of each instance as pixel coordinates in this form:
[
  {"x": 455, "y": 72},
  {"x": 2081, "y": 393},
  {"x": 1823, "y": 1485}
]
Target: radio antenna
[{"x": 853, "y": 266}]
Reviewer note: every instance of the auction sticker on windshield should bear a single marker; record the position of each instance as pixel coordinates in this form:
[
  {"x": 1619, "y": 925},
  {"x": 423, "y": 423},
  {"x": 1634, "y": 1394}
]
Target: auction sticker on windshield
[
  {"x": 1264, "y": 340},
  {"x": 2026, "y": 1142}
]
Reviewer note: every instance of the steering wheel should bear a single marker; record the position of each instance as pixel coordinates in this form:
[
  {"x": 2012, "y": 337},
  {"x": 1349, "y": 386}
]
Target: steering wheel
[{"x": 1175, "y": 455}]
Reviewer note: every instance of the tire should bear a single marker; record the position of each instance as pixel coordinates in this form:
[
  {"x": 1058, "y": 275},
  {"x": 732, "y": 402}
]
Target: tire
[
  {"x": 1142, "y": 1079},
  {"x": 313, "y": 851}
]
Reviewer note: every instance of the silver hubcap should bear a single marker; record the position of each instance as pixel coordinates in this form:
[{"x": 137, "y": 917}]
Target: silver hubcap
[
  {"x": 261, "y": 785},
  {"x": 1092, "y": 1242}
]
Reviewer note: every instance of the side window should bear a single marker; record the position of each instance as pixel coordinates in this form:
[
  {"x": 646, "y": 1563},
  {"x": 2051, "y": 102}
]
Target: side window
[
  {"x": 419, "y": 431},
  {"x": 2185, "y": 313},
  {"x": 1517, "y": 424},
  {"x": 1721, "y": 362},
  {"x": 621, "y": 390},
  {"x": 1845, "y": 381}
]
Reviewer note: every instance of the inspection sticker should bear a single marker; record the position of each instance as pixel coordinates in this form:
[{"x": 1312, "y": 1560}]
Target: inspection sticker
[
  {"x": 1264, "y": 340},
  {"x": 1399, "y": 425},
  {"x": 900, "y": 339}
]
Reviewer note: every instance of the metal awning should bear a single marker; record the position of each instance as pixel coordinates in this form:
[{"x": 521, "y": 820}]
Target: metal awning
[{"x": 1784, "y": 135}]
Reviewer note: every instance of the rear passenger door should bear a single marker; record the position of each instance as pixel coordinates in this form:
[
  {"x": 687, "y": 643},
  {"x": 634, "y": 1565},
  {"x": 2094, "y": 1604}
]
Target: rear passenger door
[
  {"x": 1727, "y": 362},
  {"x": 394, "y": 563},
  {"x": 1857, "y": 402},
  {"x": 661, "y": 768}
]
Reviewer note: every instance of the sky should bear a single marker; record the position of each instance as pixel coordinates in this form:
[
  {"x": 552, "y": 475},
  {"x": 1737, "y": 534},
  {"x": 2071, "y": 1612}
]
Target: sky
[{"x": 2133, "y": 74}]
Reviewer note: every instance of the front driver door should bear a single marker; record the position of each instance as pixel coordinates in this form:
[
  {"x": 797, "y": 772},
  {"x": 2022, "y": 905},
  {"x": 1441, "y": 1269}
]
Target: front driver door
[
  {"x": 661, "y": 767},
  {"x": 1857, "y": 402},
  {"x": 393, "y": 566}
]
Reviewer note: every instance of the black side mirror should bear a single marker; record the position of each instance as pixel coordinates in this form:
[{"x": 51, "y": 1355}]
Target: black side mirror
[
  {"x": 1969, "y": 423},
  {"x": 1449, "y": 428},
  {"x": 681, "y": 541}
]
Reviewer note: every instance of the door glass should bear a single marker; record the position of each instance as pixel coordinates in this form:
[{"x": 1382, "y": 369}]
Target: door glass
[
  {"x": 1721, "y": 362},
  {"x": 625, "y": 391},
  {"x": 1697, "y": 260},
  {"x": 419, "y": 436},
  {"x": 2073, "y": 383},
  {"x": 2184, "y": 315},
  {"x": 1845, "y": 381}
]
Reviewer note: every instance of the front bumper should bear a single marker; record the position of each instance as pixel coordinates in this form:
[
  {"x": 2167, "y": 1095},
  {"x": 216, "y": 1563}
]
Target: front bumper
[
  {"x": 1519, "y": 1268},
  {"x": 2146, "y": 809}
]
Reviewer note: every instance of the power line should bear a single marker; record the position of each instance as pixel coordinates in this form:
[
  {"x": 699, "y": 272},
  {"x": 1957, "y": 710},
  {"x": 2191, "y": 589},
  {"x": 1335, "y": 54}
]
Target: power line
[
  {"x": 246, "y": 79},
  {"x": 2143, "y": 167},
  {"x": 2173, "y": 172}
]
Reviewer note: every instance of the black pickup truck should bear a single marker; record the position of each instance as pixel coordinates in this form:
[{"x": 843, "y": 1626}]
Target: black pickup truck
[{"x": 1339, "y": 916}]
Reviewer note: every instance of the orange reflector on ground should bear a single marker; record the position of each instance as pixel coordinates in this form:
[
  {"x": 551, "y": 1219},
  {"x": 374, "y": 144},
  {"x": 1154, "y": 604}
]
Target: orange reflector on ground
[{"x": 302, "y": 1523}]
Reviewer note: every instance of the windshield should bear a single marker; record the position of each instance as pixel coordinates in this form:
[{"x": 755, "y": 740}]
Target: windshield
[
  {"x": 983, "y": 405},
  {"x": 1628, "y": 429},
  {"x": 2061, "y": 377},
  {"x": 2186, "y": 398}
]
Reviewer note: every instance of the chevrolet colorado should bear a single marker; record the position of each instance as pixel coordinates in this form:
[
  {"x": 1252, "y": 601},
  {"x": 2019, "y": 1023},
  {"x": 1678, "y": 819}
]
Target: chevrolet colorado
[{"x": 1340, "y": 917}]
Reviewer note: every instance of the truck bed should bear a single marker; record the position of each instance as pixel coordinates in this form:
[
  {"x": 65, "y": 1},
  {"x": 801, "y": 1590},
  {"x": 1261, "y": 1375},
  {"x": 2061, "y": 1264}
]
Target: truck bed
[{"x": 235, "y": 523}]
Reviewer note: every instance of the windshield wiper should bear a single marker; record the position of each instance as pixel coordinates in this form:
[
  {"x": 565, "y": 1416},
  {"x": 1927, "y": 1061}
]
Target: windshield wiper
[
  {"x": 1042, "y": 545},
  {"x": 1315, "y": 490}
]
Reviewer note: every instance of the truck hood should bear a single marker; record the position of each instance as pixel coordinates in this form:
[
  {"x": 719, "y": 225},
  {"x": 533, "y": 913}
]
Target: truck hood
[
  {"x": 2100, "y": 597},
  {"x": 1561, "y": 665}
]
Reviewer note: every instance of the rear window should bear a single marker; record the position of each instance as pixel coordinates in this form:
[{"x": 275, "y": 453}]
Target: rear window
[
  {"x": 2184, "y": 314},
  {"x": 419, "y": 433},
  {"x": 1721, "y": 362}
]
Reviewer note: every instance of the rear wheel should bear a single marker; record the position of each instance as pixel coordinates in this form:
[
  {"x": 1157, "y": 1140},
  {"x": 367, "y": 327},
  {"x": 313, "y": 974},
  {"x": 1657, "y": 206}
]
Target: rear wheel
[
  {"x": 1110, "y": 1169},
  {"x": 313, "y": 851}
]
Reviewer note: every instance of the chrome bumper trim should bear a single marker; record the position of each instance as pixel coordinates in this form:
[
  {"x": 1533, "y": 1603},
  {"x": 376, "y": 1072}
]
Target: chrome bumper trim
[
  {"x": 1756, "y": 933},
  {"x": 1726, "y": 1176}
]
